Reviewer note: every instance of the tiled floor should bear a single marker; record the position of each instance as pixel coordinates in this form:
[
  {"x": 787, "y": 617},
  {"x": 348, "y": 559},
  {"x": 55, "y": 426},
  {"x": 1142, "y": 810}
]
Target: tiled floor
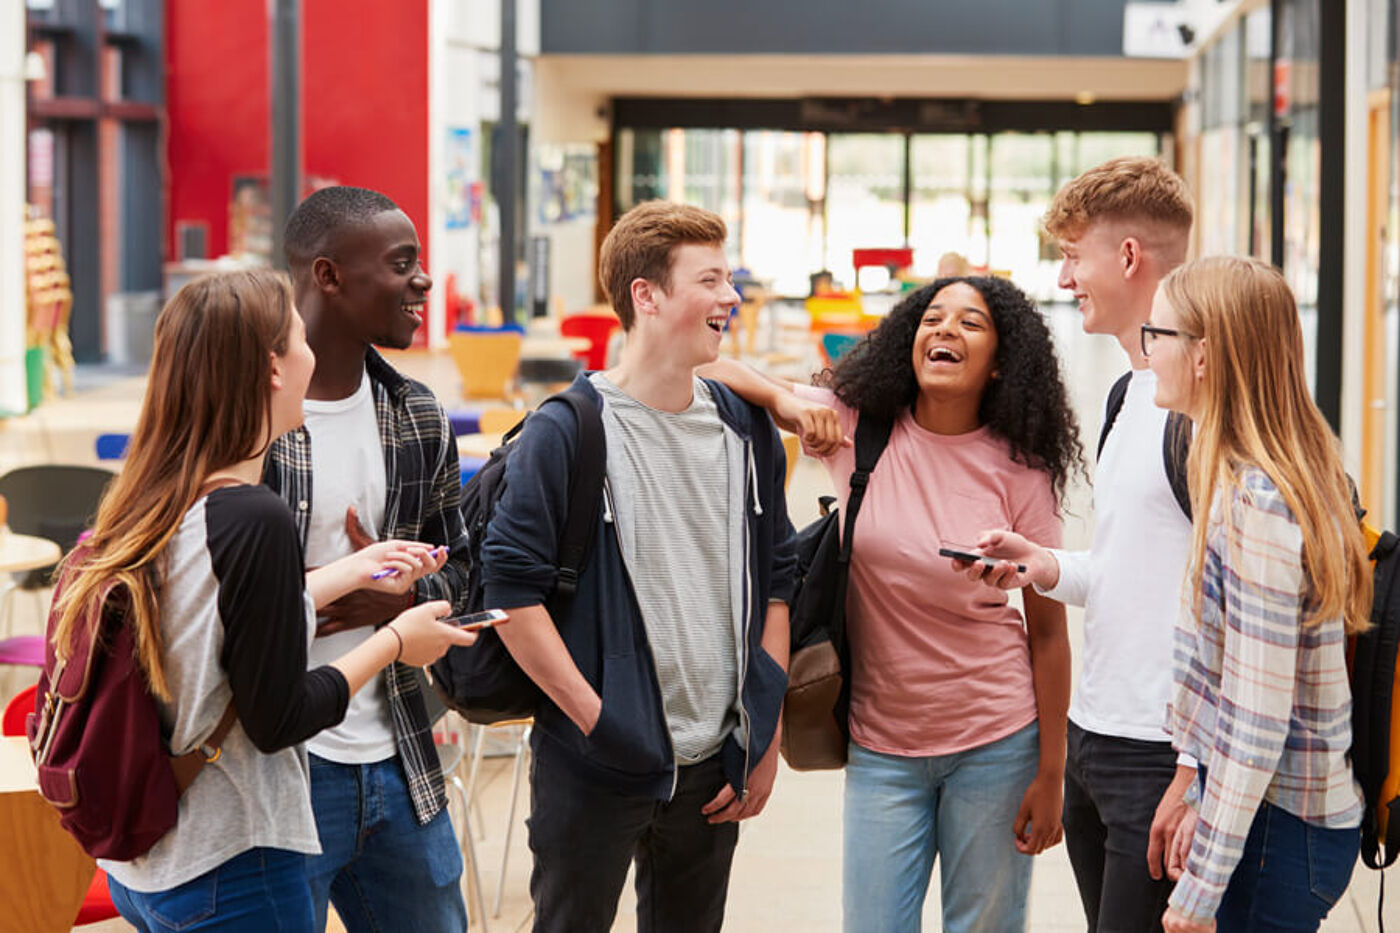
[{"x": 787, "y": 872}]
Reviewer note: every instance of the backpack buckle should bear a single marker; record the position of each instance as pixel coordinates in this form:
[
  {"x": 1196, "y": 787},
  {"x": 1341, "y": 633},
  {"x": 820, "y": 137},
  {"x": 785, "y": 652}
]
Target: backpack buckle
[
  {"x": 860, "y": 479},
  {"x": 567, "y": 582}
]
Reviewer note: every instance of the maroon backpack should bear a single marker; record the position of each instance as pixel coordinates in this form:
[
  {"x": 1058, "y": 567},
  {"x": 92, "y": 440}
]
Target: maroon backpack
[{"x": 96, "y": 736}]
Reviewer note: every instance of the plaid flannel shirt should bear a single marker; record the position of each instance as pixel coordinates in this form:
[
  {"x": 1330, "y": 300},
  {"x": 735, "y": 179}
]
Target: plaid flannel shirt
[
  {"x": 423, "y": 480},
  {"x": 1261, "y": 700}
]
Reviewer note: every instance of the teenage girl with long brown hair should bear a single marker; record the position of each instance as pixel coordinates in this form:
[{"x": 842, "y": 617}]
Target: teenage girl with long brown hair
[
  {"x": 222, "y": 612},
  {"x": 1279, "y": 577}
]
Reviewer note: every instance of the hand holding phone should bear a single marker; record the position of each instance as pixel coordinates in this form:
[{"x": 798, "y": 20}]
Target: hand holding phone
[
  {"x": 477, "y": 621},
  {"x": 968, "y": 555}
]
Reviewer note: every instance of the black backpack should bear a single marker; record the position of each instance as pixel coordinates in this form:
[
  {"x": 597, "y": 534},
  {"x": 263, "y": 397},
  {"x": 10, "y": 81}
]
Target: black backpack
[
  {"x": 482, "y": 681},
  {"x": 1176, "y": 442},
  {"x": 1375, "y": 748},
  {"x": 815, "y": 712}
]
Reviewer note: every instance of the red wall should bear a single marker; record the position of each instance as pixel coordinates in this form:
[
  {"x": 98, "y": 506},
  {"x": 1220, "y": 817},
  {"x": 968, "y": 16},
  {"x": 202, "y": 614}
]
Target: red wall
[
  {"x": 217, "y": 107},
  {"x": 364, "y": 103}
]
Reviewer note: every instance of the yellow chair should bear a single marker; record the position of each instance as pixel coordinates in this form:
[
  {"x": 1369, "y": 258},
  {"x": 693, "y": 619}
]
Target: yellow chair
[
  {"x": 792, "y": 446},
  {"x": 500, "y": 420},
  {"x": 487, "y": 362}
]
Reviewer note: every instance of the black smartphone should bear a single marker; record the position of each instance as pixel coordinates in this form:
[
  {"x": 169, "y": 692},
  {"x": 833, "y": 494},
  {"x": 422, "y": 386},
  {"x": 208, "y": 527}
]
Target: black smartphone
[
  {"x": 958, "y": 552},
  {"x": 478, "y": 620}
]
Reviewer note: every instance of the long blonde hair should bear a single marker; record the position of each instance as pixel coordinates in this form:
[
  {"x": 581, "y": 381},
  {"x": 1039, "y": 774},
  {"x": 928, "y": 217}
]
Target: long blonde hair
[
  {"x": 1256, "y": 410},
  {"x": 208, "y": 406}
]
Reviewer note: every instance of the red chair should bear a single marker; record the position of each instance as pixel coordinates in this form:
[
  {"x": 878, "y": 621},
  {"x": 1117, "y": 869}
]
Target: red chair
[
  {"x": 597, "y": 329},
  {"x": 17, "y": 709},
  {"x": 97, "y": 903}
]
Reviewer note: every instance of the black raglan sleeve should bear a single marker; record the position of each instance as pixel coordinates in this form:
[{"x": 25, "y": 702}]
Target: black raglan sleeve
[{"x": 258, "y": 562}]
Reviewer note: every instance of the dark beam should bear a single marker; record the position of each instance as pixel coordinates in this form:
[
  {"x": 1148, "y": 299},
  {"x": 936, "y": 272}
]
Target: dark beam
[
  {"x": 1331, "y": 131},
  {"x": 286, "y": 118},
  {"x": 508, "y": 159}
]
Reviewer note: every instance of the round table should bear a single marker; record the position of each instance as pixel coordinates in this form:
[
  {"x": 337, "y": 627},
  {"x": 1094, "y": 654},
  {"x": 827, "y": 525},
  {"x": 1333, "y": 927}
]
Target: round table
[
  {"x": 479, "y": 445},
  {"x": 26, "y": 552},
  {"x": 551, "y": 347}
]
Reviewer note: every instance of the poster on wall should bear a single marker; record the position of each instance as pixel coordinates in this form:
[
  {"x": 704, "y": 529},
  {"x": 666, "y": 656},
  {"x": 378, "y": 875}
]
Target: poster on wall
[
  {"x": 568, "y": 183},
  {"x": 460, "y": 159},
  {"x": 250, "y": 217}
]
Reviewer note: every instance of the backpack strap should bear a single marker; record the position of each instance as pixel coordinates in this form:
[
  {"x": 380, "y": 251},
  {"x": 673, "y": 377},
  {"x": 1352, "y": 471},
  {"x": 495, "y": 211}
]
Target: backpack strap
[
  {"x": 585, "y": 488},
  {"x": 1176, "y": 441},
  {"x": 1113, "y": 407},
  {"x": 188, "y": 765},
  {"x": 1176, "y": 447},
  {"x": 872, "y": 435}
]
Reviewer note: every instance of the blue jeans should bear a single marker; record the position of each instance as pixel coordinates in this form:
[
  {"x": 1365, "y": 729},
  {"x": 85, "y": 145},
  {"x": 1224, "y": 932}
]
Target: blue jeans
[
  {"x": 380, "y": 868},
  {"x": 1290, "y": 875},
  {"x": 261, "y": 889},
  {"x": 902, "y": 813}
]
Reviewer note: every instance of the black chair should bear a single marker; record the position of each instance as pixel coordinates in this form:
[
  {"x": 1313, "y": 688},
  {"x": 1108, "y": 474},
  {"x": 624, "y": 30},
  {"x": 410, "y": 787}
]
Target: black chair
[
  {"x": 54, "y": 502},
  {"x": 549, "y": 370}
]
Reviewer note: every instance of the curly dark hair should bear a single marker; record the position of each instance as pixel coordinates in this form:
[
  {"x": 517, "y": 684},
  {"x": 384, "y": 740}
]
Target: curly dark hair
[{"x": 1027, "y": 405}]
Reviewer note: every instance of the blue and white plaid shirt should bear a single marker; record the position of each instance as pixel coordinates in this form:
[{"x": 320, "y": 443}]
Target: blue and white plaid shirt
[
  {"x": 423, "y": 482},
  {"x": 1262, "y": 700}
]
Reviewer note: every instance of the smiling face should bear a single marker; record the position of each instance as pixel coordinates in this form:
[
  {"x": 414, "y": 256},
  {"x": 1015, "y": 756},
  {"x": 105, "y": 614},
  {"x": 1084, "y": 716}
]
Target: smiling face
[
  {"x": 955, "y": 346},
  {"x": 1178, "y": 361},
  {"x": 690, "y": 316},
  {"x": 1093, "y": 269},
  {"x": 383, "y": 286}
]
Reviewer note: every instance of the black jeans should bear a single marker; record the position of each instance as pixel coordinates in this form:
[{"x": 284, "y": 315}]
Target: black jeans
[
  {"x": 1112, "y": 788},
  {"x": 584, "y": 838}
]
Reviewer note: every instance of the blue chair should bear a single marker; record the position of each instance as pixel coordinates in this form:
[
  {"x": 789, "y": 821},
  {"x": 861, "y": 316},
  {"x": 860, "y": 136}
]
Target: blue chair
[
  {"x": 484, "y": 329},
  {"x": 835, "y": 343},
  {"x": 464, "y": 421},
  {"x": 112, "y": 446},
  {"x": 469, "y": 466}
]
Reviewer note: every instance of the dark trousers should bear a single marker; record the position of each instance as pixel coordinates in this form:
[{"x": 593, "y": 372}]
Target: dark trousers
[
  {"x": 584, "y": 838},
  {"x": 1112, "y": 788}
]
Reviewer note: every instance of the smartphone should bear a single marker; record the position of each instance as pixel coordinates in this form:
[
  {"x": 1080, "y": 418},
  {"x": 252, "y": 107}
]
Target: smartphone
[
  {"x": 478, "y": 620},
  {"x": 958, "y": 552}
]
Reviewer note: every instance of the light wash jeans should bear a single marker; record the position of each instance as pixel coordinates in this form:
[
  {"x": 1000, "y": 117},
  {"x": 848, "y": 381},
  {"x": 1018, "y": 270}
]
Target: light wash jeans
[{"x": 902, "y": 813}]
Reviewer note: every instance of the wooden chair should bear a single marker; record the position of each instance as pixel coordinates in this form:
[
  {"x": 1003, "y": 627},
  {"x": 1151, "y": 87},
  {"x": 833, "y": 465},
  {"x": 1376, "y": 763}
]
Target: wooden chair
[
  {"x": 792, "y": 446},
  {"x": 487, "y": 362},
  {"x": 97, "y": 902},
  {"x": 500, "y": 420},
  {"x": 521, "y": 768}
]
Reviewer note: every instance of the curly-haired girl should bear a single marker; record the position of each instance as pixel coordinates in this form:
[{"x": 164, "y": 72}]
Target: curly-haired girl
[{"x": 958, "y": 705}]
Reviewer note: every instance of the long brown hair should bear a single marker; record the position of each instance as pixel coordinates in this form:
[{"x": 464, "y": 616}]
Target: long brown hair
[
  {"x": 1256, "y": 410},
  {"x": 208, "y": 406}
]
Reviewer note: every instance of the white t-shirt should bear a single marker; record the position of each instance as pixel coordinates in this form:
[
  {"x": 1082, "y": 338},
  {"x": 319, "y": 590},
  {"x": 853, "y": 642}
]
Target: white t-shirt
[
  {"x": 347, "y": 468},
  {"x": 1129, "y": 581}
]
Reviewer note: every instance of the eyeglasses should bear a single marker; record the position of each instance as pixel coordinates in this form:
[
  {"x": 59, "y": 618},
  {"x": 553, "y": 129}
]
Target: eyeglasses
[{"x": 1150, "y": 333}]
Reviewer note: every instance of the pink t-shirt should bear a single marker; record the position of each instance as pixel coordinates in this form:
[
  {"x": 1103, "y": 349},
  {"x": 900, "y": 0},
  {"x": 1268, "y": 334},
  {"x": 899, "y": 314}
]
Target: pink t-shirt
[{"x": 940, "y": 664}]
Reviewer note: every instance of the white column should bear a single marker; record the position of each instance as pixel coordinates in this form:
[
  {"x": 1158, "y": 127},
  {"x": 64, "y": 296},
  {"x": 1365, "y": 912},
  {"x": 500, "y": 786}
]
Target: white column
[
  {"x": 438, "y": 32},
  {"x": 1354, "y": 235},
  {"x": 13, "y": 398}
]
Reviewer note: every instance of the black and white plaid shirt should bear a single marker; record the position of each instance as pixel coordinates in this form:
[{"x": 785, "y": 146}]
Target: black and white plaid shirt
[{"x": 423, "y": 481}]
